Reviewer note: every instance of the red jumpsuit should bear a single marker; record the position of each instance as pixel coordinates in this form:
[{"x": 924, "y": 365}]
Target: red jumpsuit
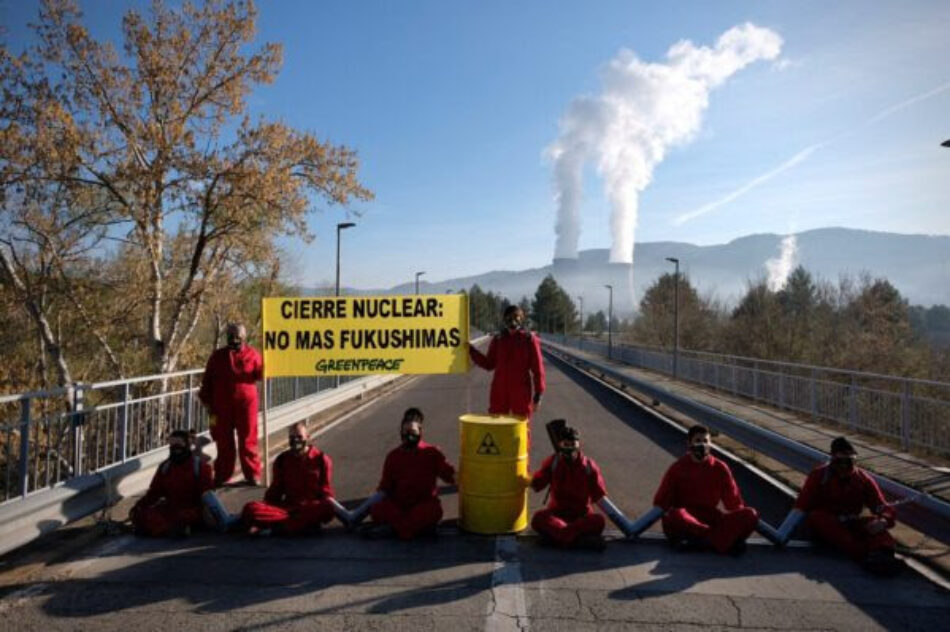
[
  {"x": 297, "y": 497},
  {"x": 690, "y": 494},
  {"x": 834, "y": 504},
  {"x": 515, "y": 357},
  {"x": 173, "y": 499},
  {"x": 229, "y": 390},
  {"x": 575, "y": 484},
  {"x": 412, "y": 502}
]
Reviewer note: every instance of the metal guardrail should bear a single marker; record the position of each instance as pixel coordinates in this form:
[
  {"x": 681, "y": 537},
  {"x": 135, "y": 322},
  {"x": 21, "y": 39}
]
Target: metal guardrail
[
  {"x": 923, "y": 512},
  {"x": 43, "y": 511},
  {"x": 914, "y": 412},
  {"x": 50, "y": 437}
]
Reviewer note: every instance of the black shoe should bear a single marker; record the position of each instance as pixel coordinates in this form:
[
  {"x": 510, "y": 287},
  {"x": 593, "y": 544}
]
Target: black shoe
[{"x": 591, "y": 542}]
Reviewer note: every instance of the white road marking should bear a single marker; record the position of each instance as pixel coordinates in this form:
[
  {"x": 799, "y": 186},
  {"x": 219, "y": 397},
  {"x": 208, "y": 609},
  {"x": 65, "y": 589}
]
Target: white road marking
[{"x": 507, "y": 609}]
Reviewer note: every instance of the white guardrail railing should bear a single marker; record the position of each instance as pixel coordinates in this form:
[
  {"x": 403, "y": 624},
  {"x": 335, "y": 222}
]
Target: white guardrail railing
[
  {"x": 70, "y": 464},
  {"x": 925, "y": 513},
  {"x": 914, "y": 412}
]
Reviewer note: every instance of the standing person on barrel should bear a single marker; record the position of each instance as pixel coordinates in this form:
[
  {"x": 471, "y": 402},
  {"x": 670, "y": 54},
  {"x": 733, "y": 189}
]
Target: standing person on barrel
[
  {"x": 229, "y": 391},
  {"x": 514, "y": 355}
]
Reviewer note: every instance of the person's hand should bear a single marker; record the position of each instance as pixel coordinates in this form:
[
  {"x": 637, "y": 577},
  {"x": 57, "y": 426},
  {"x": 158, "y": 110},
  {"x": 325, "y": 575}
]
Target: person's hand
[
  {"x": 876, "y": 526},
  {"x": 525, "y": 480},
  {"x": 537, "y": 400}
]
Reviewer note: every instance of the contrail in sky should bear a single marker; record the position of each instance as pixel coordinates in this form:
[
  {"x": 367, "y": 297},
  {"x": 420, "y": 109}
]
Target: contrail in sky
[{"x": 801, "y": 156}]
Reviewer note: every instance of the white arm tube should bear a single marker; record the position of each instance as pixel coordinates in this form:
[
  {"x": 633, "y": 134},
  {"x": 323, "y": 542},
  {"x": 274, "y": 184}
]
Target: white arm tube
[
  {"x": 616, "y": 516},
  {"x": 345, "y": 516},
  {"x": 357, "y": 515},
  {"x": 792, "y": 520},
  {"x": 223, "y": 520},
  {"x": 644, "y": 522}
]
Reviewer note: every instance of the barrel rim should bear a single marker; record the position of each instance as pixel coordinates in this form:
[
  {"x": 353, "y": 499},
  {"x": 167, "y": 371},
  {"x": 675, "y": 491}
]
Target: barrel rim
[{"x": 500, "y": 420}]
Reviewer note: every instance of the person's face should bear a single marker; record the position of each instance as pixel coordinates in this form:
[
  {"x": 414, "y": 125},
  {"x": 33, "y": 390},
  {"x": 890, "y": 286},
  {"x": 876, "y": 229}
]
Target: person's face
[
  {"x": 843, "y": 463},
  {"x": 514, "y": 319},
  {"x": 700, "y": 446},
  {"x": 569, "y": 447},
  {"x": 236, "y": 337},
  {"x": 297, "y": 438},
  {"x": 178, "y": 449},
  {"x": 411, "y": 433}
]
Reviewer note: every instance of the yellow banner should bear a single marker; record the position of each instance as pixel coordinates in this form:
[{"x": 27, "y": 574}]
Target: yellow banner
[{"x": 358, "y": 335}]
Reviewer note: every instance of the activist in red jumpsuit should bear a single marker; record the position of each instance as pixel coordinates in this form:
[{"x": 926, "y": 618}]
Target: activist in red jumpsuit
[
  {"x": 298, "y": 498},
  {"x": 411, "y": 502},
  {"x": 833, "y": 497},
  {"x": 576, "y": 482},
  {"x": 514, "y": 355},
  {"x": 229, "y": 390},
  {"x": 172, "y": 505},
  {"x": 689, "y": 496}
]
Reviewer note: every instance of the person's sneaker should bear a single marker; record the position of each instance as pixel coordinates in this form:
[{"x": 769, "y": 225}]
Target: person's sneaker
[
  {"x": 252, "y": 482},
  {"x": 591, "y": 542},
  {"x": 259, "y": 532},
  {"x": 377, "y": 531}
]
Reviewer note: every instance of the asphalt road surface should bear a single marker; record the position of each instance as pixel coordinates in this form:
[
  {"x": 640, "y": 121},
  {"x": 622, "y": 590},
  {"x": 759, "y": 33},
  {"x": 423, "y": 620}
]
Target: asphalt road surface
[{"x": 463, "y": 582}]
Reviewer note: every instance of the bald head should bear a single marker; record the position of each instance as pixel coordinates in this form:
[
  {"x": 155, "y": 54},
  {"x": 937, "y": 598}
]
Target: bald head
[
  {"x": 297, "y": 437},
  {"x": 236, "y": 334}
]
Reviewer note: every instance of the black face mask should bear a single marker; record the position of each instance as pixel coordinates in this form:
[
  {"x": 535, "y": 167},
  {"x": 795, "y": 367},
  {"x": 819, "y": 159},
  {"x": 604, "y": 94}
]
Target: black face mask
[
  {"x": 843, "y": 463},
  {"x": 298, "y": 444},
  {"x": 411, "y": 439},
  {"x": 700, "y": 451},
  {"x": 234, "y": 343},
  {"x": 568, "y": 452},
  {"x": 513, "y": 323},
  {"x": 179, "y": 454}
]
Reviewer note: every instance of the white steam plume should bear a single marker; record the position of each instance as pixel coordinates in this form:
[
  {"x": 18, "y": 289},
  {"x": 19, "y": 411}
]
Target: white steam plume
[
  {"x": 779, "y": 268},
  {"x": 644, "y": 109}
]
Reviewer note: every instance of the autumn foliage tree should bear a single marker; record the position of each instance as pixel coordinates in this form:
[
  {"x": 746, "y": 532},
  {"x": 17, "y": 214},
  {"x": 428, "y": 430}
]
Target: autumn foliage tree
[{"x": 138, "y": 177}]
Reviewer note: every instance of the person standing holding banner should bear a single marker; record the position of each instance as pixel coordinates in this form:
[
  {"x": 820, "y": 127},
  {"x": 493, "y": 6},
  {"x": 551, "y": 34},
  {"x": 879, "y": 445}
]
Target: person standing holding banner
[
  {"x": 229, "y": 391},
  {"x": 514, "y": 355}
]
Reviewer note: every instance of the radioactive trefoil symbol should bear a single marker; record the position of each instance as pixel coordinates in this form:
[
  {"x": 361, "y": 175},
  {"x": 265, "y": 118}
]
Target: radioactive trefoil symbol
[{"x": 488, "y": 446}]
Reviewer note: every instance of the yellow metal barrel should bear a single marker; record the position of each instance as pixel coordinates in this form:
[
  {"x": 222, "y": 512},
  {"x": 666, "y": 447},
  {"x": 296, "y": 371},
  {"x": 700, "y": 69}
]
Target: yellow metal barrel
[{"x": 493, "y": 460}]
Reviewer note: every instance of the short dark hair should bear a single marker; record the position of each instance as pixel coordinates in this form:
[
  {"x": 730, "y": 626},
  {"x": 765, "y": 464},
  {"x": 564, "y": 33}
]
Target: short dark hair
[
  {"x": 412, "y": 414},
  {"x": 698, "y": 429},
  {"x": 184, "y": 435},
  {"x": 511, "y": 309},
  {"x": 843, "y": 446}
]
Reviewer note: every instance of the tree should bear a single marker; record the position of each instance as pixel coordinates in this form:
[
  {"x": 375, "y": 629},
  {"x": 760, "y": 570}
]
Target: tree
[
  {"x": 552, "y": 308},
  {"x": 155, "y": 150},
  {"x": 654, "y": 325},
  {"x": 596, "y": 323}
]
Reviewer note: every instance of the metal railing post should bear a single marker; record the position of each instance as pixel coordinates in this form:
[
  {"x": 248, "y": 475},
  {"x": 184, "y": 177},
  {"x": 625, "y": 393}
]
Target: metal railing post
[
  {"x": 853, "y": 403},
  {"x": 735, "y": 385},
  {"x": 781, "y": 389},
  {"x": 77, "y": 422},
  {"x": 124, "y": 438},
  {"x": 905, "y": 416},
  {"x": 814, "y": 393},
  {"x": 24, "y": 446},
  {"x": 755, "y": 380},
  {"x": 296, "y": 388}
]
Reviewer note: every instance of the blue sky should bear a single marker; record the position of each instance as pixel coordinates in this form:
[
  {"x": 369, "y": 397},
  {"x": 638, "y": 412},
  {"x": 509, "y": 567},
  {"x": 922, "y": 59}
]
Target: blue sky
[{"x": 451, "y": 106}]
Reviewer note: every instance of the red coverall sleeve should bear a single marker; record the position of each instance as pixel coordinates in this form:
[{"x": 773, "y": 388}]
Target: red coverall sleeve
[
  {"x": 537, "y": 365},
  {"x": 444, "y": 470},
  {"x": 875, "y": 501},
  {"x": 275, "y": 492},
  {"x": 326, "y": 487},
  {"x": 807, "y": 497},
  {"x": 204, "y": 393},
  {"x": 595, "y": 482},
  {"x": 487, "y": 362},
  {"x": 731, "y": 496},
  {"x": 257, "y": 372},
  {"x": 156, "y": 491},
  {"x": 542, "y": 478},
  {"x": 665, "y": 493},
  {"x": 387, "y": 482}
]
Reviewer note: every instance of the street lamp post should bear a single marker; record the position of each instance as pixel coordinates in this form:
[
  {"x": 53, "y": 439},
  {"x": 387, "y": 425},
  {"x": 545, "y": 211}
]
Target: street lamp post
[
  {"x": 610, "y": 318},
  {"x": 339, "y": 227},
  {"x": 418, "y": 274},
  {"x": 676, "y": 315}
]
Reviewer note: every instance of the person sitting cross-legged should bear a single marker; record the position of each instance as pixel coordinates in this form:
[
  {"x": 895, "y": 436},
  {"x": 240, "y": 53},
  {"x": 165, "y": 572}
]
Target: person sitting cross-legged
[
  {"x": 576, "y": 482},
  {"x": 300, "y": 496}
]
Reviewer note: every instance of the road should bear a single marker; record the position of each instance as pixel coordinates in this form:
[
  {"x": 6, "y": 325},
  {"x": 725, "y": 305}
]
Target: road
[{"x": 464, "y": 582}]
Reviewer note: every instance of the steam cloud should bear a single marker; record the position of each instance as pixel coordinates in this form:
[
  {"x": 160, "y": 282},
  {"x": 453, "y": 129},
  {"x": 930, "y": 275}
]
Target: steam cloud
[
  {"x": 644, "y": 109},
  {"x": 779, "y": 268}
]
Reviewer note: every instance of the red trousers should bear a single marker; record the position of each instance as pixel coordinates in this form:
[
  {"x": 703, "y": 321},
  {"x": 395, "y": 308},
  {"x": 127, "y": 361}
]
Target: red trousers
[
  {"x": 407, "y": 523},
  {"x": 852, "y": 536},
  {"x": 162, "y": 520},
  {"x": 564, "y": 531},
  {"x": 720, "y": 529},
  {"x": 296, "y": 519},
  {"x": 243, "y": 420}
]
